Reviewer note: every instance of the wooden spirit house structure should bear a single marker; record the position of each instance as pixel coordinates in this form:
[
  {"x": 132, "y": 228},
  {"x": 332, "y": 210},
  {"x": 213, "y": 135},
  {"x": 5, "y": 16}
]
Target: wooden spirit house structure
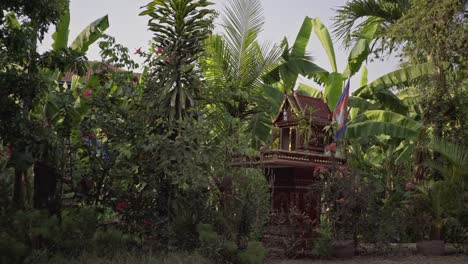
[{"x": 291, "y": 168}]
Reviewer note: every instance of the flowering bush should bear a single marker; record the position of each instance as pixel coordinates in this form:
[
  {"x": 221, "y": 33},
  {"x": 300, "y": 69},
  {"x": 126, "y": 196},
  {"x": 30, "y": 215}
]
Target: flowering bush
[
  {"x": 342, "y": 201},
  {"x": 87, "y": 93}
]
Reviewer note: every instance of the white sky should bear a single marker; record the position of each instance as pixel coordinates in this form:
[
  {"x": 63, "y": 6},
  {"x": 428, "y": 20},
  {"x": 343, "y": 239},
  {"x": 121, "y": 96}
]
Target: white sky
[{"x": 283, "y": 18}]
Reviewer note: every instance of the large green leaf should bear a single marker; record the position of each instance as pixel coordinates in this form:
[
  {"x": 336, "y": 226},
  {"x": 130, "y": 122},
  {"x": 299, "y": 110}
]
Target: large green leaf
[
  {"x": 398, "y": 78},
  {"x": 62, "y": 31},
  {"x": 380, "y": 88},
  {"x": 377, "y": 122},
  {"x": 303, "y": 67},
  {"x": 363, "y": 81},
  {"x": 302, "y": 39},
  {"x": 324, "y": 36},
  {"x": 90, "y": 34},
  {"x": 307, "y": 90},
  {"x": 333, "y": 89},
  {"x": 12, "y": 21},
  {"x": 375, "y": 128},
  {"x": 409, "y": 96},
  {"x": 391, "y": 117},
  {"x": 363, "y": 104},
  {"x": 390, "y": 101},
  {"x": 358, "y": 55}
]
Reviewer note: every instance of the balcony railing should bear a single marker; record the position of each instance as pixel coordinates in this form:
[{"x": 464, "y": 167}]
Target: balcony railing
[{"x": 288, "y": 158}]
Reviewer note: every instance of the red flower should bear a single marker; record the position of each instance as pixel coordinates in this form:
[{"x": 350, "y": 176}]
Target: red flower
[
  {"x": 167, "y": 59},
  {"x": 8, "y": 152},
  {"x": 87, "y": 93},
  {"x": 138, "y": 51},
  {"x": 341, "y": 200},
  {"x": 409, "y": 186},
  {"x": 120, "y": 206},
  {"x": 159, "y": 51},
  {"x": 320, "y": 169},
  {"x": 332, "y": 147}
]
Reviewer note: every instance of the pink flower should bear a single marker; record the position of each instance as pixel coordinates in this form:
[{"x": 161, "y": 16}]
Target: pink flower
[
  {"x": 138, "y": 51},
  {"x": 147, "y": 222},
  {"x": 332, "y": 147},
  {"x": 341, "y": 200},
  {"x": 409, "y": 186},
  {"x": 120, "y": 206},
  {"x": 8, "y": 152},
  {"x": 167, "y": 59},
  {"x": 407, "y": 206},
  {"x": 159, "y": 51},
  {"x": 87, "y": 93}
]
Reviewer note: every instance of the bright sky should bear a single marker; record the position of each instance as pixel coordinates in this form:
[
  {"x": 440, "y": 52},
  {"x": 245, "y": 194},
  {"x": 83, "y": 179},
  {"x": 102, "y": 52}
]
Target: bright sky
[{"x": 283, "y": 18}]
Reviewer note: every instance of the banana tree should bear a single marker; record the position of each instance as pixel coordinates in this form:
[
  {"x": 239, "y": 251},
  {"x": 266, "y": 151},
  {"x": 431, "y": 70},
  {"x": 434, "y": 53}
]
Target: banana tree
[
  {"x": 376, "y": 110},
  {"x": 295, "y": 62},
  {"x": 88, "y": 35},
  {"x": 334, "y": 81}
]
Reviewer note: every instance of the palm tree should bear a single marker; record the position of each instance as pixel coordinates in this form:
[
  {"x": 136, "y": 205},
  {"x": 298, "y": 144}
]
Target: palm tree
[
  {"x": 233, "y": 66},
  {"x": 356, "y": 16}
]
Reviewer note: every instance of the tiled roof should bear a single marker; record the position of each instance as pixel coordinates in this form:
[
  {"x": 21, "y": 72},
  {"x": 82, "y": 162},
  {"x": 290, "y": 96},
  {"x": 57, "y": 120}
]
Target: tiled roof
[{"x": 321, "y": 111}]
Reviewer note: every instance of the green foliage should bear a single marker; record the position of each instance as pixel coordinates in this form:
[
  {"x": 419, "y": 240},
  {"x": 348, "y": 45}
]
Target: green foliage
[
  {"x": 27, "y": 232},
  {"x": 110, "y": 242},
  {"x": 356, "y": 16},
  {"x": 255, "y": 253},
  {"x": 377, "y": 122},
  {"x": 234, "y": 64},
  {"x": 323, "y": 244},
  {"x": 60, "y": 36}
]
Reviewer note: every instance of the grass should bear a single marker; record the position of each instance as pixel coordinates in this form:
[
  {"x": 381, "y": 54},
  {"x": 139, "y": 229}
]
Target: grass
[
  {"x": 415, "y": 259},
  {"x": 175, "y": 258}
]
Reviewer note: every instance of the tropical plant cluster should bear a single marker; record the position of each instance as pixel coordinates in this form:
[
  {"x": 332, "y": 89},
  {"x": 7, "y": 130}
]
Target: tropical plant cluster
[{"x": 126, "y": 157}]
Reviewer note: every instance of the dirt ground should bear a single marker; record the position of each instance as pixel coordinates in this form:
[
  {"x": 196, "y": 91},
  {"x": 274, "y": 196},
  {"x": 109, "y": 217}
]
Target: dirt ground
[{"x": 454, "y": 259}]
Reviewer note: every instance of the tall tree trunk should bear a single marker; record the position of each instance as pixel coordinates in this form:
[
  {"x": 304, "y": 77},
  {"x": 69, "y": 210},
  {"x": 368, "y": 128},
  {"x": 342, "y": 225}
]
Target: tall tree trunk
[{"x": 23, "y": 189}]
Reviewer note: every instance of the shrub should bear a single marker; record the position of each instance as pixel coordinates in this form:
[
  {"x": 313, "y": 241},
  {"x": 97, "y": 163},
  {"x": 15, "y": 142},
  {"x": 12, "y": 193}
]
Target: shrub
[
  {"x": 255, "y": 253},
  {"x": 110, "y": 242}
]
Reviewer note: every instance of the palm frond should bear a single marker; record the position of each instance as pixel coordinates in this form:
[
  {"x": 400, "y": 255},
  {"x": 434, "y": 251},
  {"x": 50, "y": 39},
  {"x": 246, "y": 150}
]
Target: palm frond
[
  {"x": 454, "y": 153},
  {"x": 242, "y": 21},
  {"x": 355, "y": 14}
]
